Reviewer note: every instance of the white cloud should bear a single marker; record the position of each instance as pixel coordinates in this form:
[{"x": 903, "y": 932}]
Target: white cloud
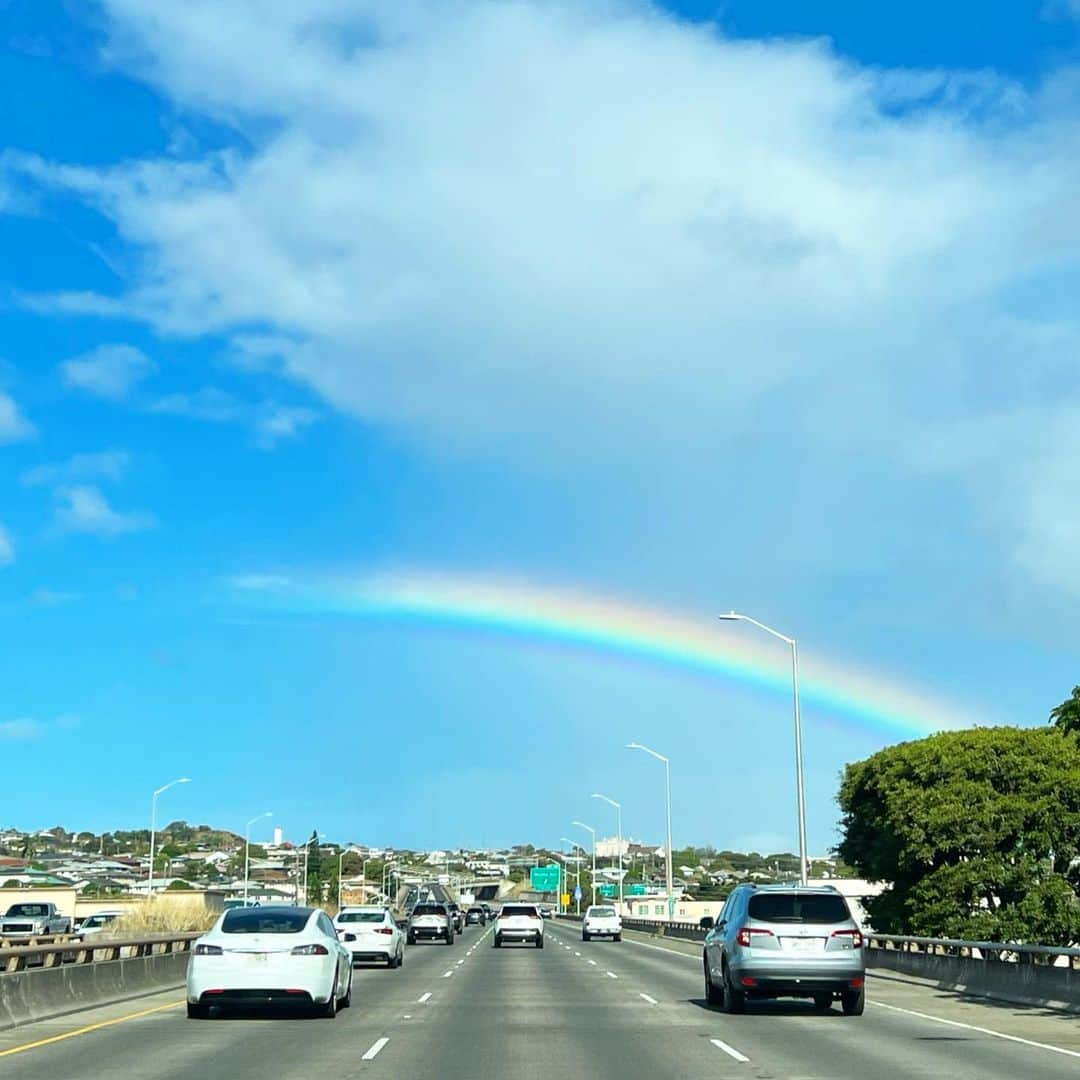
[
  {"x": 259, "y": 582},
  {"x": 276, "y": 422},
  {"x": 46, "y": 597},
  {"x": 109, "y": 371},
  {"x": 208, "y": 403},
  {"x": 24, "y": 729},
  {"x": 84, "y": 509},
  {"x": 7, "y": 547},
  {"x": 105, "y": 465},
  {"x": 558, "y": 231},
  {"x": 14, "y": 427}
]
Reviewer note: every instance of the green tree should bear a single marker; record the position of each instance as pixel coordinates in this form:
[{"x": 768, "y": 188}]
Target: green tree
[
  {"x": 976, "y": 833},
  {"x": 179, "y": 885},
  {"x": 1066, "y": 716}
]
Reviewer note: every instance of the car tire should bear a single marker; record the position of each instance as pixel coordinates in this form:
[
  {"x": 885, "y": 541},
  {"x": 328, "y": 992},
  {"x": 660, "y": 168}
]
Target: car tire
[
  {"x": 411, "y": 939},
  {"x": 585, "y": 936},
  {"x": 329, "y": 1010},
  {"x": 853, "y": 1002},
  {"x": 346, "y": 1001},
  {"x": 823, "y": 1002},
  {"x": 449, "y": 937},
  {"x": 617, "y": 937},
  {"x": 496, "y": 942},
  {"x": 539, "y": 941},
  {"x": 734, "y": 1000},
  {"x": 197, "y": 1011},
  {"x": 713, "y": 996}
]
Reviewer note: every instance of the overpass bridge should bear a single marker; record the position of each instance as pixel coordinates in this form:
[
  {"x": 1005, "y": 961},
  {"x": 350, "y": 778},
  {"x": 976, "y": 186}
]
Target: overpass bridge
[{"x": 583, "y": 1011}]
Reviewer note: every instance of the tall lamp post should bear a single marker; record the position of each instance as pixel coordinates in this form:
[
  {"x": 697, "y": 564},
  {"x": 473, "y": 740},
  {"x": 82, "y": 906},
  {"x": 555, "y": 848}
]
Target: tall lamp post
[
  {"x": 340, "y": 862},
  {"x": 800, "y": 796},
  {"x": 247, "y": 849},
  {"x": 667, "y": 847},
  {"x": 153, "y": 828},
  {"x": 618, "y": 817},
  {"x": 314, "y": 838},
  {"x": 577, "y": 871},
  {"x": 589, "y": 828}
]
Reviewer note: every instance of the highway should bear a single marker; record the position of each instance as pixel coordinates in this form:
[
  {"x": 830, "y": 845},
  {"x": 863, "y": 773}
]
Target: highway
[{"x": 571, "y": 1010}]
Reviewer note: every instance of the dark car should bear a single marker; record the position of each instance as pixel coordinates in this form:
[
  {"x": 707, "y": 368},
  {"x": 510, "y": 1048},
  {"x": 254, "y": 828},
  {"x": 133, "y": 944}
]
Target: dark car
[
  {"x": 457, "y": 915},
  {"x": 476, "y": 916}
]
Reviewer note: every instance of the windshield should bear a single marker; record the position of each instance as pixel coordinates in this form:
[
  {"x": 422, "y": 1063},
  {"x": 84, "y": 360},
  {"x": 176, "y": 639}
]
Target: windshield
[
  {"x": 361, "y": 917},
  {"x": 798, "y": 908},
  {"x": 519, "y": 909},
  {"x": 264, "y": 921},
  {"x": 28, "y": 909},
  {"x": 429, "y": 909}
]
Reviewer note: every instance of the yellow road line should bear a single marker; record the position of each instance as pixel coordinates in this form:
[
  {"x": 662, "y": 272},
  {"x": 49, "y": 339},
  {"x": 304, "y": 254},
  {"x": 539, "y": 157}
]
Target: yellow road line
[{"x": 86, "y": 1030}]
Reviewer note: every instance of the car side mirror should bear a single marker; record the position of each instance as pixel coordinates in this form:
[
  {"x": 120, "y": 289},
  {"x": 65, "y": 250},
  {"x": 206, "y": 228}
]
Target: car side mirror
[
  {"x": 707, "y": 922},
  {"x": 350, "y": 937}
]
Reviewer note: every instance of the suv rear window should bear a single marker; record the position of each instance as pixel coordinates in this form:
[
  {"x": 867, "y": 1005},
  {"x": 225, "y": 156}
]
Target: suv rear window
[
  {"x": 798, "y": 908},
  {"x": 520, "y": 909},
  {"x": 429, "y": 909},
  {"x": 263, "y": 921}
]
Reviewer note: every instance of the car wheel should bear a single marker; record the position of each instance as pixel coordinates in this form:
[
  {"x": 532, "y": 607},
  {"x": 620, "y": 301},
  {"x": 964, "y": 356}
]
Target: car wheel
[
  {"x": 401, "y": 956},
  {"x": 197, "y": 1011},
  {"x": 539, "y": 941},
  {"x": 412, "y": 939},
  {"x": 496, "y": 942},
  {"x": 346, "y": 1001},
  {"x": 329, "y": 1010},
  {"x": 449, "y": 938},
  {"x": 823, "y": 1002},
  {"x": 618, "y": 937},
  {"x": 854, "y": 1002},
  {"x": 584, "y": 936},
  {"x": 734, "y": 1000}
]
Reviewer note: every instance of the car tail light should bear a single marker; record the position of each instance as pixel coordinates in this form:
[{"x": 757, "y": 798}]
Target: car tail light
[
  {"x": 311, "y": 950},
  {"x": 748, "y": 980},
  {"x": 855, "y": 935},
  {"x": 383, "y": 930},
  {"x": 208, "y": 950},
  {"x": 746, "y": 935},
  {"x": 856, "y": 984}
]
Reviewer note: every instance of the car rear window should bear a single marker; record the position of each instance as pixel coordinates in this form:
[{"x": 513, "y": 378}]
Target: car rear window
[
  {"x": 602, "y": 912},
  {"x": 798, "y": 908},
  {"x": 262, "y": 921},
  {"x": 360, "y": 916},
  {"x": 520, "y": 909},
  {"x": 429, "y": 909}
]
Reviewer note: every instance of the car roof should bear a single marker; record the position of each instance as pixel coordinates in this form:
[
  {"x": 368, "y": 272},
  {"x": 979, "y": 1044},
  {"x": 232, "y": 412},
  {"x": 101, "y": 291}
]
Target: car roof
[
  {"x": 363, "y": 907},
  {"x": 276, "y": 909},
  {"x": 794, "y": 886}
]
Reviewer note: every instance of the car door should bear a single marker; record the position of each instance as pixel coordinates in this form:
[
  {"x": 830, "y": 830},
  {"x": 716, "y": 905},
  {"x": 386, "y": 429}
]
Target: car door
[
  {"x": 714, "y": 940},
  {"x": 326, "y": 927}
]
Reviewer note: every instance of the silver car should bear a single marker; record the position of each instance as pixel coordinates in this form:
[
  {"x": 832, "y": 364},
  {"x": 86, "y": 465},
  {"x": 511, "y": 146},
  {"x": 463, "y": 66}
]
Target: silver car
[{"x": 785, "y": 941}]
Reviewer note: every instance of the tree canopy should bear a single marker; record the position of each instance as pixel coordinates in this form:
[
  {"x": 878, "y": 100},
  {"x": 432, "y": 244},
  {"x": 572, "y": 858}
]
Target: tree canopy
[
  {"x": 977, "y": 832},
  {"x": 1066, "y": 716}
]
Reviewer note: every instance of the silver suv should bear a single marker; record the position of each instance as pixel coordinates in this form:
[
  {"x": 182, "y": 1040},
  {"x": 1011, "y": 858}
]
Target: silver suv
[{"x": 785, "y": 941}]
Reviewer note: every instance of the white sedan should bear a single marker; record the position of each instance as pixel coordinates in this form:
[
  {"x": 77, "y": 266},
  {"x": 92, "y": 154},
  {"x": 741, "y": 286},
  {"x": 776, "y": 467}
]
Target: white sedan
[
  {"x": 370, "y": 932},
  {"x": 268, "y": 956}
]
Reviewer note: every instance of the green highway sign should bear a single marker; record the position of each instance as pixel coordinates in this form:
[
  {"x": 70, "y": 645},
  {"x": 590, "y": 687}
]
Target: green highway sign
[
  {"x": 545, "y": 878},
  {"x": 635, "y": 890},
  {"x": 609, "y": 891}
]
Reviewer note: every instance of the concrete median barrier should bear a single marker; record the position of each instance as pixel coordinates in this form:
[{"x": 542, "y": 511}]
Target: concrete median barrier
[{"x": 42, "y": 993}]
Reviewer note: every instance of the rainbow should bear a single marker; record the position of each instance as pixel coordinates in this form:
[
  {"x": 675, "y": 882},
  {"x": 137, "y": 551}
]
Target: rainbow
[{"x": 602, "y": 625}]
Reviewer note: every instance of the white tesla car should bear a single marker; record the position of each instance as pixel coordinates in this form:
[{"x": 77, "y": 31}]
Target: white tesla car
[
  {"x": 374, "y": 932},
  {"x": 268, "y": 956}
]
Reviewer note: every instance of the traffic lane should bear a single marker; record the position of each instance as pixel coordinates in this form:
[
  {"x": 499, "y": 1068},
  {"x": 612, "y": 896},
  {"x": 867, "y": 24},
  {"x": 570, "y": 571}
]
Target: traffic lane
[
  {"x": 789, "y": 1038},
  {"x": 531, "y": 1013},
  {"x": 165, "y": 1044}
]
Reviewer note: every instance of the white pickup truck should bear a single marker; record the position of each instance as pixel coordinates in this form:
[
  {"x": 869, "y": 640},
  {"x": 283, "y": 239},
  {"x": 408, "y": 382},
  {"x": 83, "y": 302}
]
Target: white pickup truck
[{"x": 28, "y": 920}]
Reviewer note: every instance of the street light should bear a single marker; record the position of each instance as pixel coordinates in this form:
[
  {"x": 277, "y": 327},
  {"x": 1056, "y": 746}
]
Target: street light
[
  {"x": 247, "y": 848},
  {"x": 351, "y": 849},
  {"x": 153, "y": 829},
  {"x": 313, "y": 838},
  {"x": 618, "y": 813},
  {"x": 734, "y": 616},
  {"x": 582, "y": 825},
  {"x": 577, "y": 871},
  {"x": 667, "y": 849}
]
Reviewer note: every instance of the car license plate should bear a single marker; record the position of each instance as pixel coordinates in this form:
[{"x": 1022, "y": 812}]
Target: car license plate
[
  {"x": 255, "y": 959},
  {"x": 801, "y": 944}
]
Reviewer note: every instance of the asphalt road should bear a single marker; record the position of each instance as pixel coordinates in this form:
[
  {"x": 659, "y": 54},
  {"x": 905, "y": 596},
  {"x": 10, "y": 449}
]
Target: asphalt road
[{"x": 569, "y": 1011}]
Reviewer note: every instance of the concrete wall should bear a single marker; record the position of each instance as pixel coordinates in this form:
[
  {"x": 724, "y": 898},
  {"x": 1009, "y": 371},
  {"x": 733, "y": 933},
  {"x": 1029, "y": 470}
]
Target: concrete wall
[
  {"x": 1025, "y": 984},
  {"x": 28, "y": 996}
]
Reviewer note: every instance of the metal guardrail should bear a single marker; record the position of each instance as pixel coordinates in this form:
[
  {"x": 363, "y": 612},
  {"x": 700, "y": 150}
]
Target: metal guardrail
[
  {"x": 92, "y": 951},
  {"x": 1002, "y": 952}
]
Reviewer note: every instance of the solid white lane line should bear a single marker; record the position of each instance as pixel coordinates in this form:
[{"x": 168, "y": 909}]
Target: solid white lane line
[
  {"x": 407, "y": 1016},
  {"x": 650, "y": 1000},
  {"x": 729, "y": 1050},
  {"x": 611, "y": 974},
  {"x": 423, "y": 998},
  {"x": 374, "y": 1049},
  {"x": 980, "y": 1030}
]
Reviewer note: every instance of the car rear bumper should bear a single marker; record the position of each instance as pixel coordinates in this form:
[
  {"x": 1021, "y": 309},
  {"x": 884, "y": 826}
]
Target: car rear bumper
[
  {"x": 519, "y": 935},
  {"x": 606, "y": 930},
  {"x": 431, "y": 932},
  {"x": 797, "y": 979}
]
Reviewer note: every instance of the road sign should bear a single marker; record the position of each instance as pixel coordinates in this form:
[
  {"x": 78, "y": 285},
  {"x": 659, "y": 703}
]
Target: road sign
[
  {"x": 578, "y": 894},
  {"x": 608, "y": 891},
  {"x": 565, "y": 899},
  {"x": 545, "y": 878},
  {"x": 635, "y": 890}
]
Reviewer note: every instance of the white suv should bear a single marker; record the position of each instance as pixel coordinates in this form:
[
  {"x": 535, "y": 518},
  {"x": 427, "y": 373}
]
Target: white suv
[
  {"x": 519, "y": 922},
  {"x": 601, "y": 921}
]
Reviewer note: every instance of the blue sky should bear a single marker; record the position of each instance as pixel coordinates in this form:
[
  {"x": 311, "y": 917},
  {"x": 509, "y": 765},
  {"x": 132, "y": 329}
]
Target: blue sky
[{"x": 707, "y": 306}]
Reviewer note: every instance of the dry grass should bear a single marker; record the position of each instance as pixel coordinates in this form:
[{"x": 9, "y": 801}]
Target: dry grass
[{"x": 165, "y": 915}]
